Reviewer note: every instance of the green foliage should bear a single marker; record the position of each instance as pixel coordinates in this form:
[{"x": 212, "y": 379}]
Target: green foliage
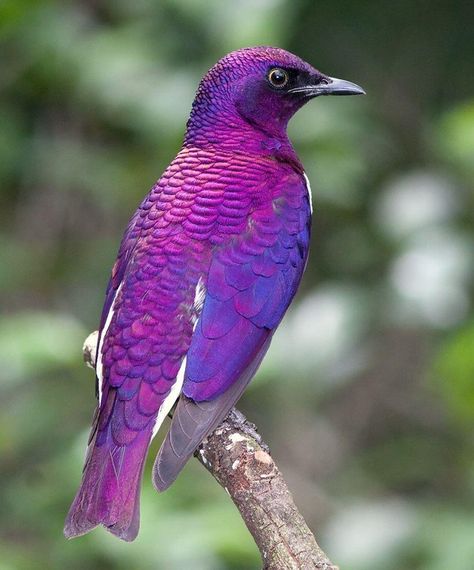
[
  {"x": 456, "y": 138},
  {"x": 454, "y": 368}
]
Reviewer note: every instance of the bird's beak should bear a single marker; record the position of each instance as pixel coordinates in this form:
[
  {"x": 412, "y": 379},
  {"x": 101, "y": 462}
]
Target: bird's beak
[
  {"x": 339, "y": 87},
  {"x": 330, "y": 86}
]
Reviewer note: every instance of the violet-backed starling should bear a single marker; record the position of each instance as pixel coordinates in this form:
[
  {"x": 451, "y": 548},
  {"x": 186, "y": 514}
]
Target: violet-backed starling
[{"x": 207, "y": 267}]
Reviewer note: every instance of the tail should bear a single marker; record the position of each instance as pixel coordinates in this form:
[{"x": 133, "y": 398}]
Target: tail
[
  {"x": 193, "y": 421},
  {"x": 110, "y": 489}
]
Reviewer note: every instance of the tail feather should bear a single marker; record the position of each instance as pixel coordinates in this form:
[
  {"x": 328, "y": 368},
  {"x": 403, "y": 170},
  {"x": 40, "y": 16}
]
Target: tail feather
[
  {"x": 110, "y": 489},
  {"x": 193, "y": 421}
]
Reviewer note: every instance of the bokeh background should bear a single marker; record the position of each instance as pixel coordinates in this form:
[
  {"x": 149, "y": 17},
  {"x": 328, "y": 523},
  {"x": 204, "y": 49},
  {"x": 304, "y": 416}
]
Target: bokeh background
[{"x": 367, "y": 395}]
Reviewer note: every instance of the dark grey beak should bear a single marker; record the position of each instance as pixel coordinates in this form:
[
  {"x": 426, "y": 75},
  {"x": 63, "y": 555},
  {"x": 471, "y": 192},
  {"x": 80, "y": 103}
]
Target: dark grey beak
[
  {"x": 330, "y": 86},
  {"x": 340, "y": 87}
]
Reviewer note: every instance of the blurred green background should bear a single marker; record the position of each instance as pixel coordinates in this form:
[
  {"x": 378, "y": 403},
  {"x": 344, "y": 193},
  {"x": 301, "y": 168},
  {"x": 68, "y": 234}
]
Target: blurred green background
[{"x": 367, "y": 395}]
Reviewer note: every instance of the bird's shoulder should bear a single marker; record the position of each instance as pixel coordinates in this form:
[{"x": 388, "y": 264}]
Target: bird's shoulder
[{"x": 207, "y": 190}]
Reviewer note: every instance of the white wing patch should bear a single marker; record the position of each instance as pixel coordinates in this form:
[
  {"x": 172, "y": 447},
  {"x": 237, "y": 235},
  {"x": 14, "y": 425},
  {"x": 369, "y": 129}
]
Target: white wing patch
[
  {"x": 175, "y": 391},
  {"x": 170, "y": 399},
  {"x": 99, "y": 368},
  {"x": 199, "y": 297},
  {"x": 308, "y": 187}
]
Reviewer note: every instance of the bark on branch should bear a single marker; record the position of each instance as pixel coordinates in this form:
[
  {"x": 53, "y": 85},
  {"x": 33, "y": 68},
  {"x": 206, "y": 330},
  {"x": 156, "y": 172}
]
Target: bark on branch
[{"x": 240, "y": 461}]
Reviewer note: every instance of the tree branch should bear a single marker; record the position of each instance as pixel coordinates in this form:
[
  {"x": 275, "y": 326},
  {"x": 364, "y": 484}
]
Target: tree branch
[{"x": 240, "y": 461}]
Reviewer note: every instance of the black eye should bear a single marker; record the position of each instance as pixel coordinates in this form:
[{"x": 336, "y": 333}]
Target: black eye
[{"x": 278, "y": 77}]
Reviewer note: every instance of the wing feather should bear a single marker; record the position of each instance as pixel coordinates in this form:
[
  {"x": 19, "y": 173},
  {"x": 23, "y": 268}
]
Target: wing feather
[
  {"x": 193, "y": 421},
  {"x": 250, "y": 286}
]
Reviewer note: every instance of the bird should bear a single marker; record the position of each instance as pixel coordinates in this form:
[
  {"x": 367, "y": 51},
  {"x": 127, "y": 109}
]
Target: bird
[{"x": 205, "y": 271}]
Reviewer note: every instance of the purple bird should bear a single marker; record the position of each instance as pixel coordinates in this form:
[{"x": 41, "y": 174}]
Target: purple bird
[{"x": 207, "y": 267}]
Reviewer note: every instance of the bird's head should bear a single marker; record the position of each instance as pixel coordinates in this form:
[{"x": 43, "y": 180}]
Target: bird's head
[{"x": 260, "y": 87}]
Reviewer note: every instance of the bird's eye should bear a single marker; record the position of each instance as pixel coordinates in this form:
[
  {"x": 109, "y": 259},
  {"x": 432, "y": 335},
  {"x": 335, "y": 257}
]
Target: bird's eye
[{"x": 278, "y": 77}]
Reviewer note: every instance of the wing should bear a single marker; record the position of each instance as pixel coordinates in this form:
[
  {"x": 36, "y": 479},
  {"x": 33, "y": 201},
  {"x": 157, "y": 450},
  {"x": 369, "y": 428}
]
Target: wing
[
  {"x": 146, "y": 329},
  {"x": 125, "y": 252},
  {"x": 250, "y": 286},
  {"x": 193, "y": 421}
]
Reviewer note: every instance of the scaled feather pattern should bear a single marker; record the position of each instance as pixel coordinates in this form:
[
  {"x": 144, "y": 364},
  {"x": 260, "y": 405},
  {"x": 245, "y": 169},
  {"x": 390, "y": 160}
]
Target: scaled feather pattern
[{"x": 206, "y": 270}]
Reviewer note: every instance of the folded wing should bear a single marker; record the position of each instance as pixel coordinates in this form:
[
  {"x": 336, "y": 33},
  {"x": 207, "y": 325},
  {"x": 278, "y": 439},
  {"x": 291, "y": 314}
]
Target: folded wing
[{"x": 249, "y": 287}]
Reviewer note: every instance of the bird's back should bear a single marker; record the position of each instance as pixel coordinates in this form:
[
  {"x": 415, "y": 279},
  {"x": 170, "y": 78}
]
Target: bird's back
[{"x": 206, "y": 269}]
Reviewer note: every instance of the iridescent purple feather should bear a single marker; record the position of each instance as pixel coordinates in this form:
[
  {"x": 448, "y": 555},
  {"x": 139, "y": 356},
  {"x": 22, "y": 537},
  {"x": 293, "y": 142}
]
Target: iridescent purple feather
[{"x": 230, "y": 218}]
